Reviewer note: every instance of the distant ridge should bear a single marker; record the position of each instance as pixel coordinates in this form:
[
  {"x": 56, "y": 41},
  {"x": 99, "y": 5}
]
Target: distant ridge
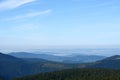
[
  {"x": 9, "y": 58},
  {"x": 112, "y": 62},
  {"x": 63, "y": 59},
  {"x": 11, "y": 67},
  {"x": 115, "y": 57}
]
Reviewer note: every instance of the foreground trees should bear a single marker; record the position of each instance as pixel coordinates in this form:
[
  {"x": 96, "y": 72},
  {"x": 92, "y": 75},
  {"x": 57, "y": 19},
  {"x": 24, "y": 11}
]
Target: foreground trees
[{"x": 77, "y": 74}]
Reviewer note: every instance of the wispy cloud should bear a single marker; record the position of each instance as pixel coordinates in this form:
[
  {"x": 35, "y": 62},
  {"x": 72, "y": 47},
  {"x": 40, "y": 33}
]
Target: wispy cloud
[
  {"x": 11, "y": 4},
  {"x": 29, "y": 15},
  {"x": 99, "y": 3}
]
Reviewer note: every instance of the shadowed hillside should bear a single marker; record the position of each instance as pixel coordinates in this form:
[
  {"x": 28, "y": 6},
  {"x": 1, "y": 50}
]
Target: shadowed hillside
[
  {"x": 11, "y": 67},
  {"x": 112, "y": 62},
  {"x": 77, "y": 74}
]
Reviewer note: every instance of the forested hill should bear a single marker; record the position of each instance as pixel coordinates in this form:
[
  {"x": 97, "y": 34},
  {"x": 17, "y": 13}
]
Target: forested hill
[
  {"x": 1, "y": 78},
  {"x": 11, "y": 67},
  {"x": 77, "y": 74},
  {"x": 112, "y": 62}
]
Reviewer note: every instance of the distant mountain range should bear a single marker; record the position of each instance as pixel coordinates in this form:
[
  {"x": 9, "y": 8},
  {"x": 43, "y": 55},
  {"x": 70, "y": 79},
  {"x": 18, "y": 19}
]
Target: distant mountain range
[
  {"x": 11, "y": 67},
  {"x": 63, "y": 59},
  {"x": 109, "y": 69}
]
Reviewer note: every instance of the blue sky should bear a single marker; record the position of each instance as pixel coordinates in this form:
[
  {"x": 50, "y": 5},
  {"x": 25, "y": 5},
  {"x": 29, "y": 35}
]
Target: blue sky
[{"x": 34, "y": 24}]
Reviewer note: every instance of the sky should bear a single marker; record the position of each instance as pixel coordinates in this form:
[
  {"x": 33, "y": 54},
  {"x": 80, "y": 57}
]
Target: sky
[{"x": 34, "y": 24}]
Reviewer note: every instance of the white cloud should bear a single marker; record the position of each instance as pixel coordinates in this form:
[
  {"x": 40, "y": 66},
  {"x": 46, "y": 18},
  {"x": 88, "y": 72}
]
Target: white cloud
[
  {"x": 11, "y": 4},
  {"x": 31, "y": 14}
]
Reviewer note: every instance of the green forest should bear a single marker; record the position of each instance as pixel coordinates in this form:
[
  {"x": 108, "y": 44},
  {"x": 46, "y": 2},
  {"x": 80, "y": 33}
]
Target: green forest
[
  {"x": 76, "y": 74},
  {"x": 0, "y": 78}
]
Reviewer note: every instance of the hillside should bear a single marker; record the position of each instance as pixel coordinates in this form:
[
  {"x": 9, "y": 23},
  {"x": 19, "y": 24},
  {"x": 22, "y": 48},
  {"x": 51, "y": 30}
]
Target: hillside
[
  {"x": 63, "y": 59},
  {"x": 110, "y": 62},
  {"x": 8, "y": 58},
  {"x": 109, "y": 69},
  {"x": 11, "y": 67},
  {"x": 77, "y": 74},
  {"x": 1, "y": 78}
]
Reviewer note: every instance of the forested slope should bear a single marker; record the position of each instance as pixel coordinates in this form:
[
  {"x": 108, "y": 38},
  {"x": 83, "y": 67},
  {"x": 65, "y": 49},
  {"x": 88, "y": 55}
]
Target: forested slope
[{"x": 77, "y": 74}]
